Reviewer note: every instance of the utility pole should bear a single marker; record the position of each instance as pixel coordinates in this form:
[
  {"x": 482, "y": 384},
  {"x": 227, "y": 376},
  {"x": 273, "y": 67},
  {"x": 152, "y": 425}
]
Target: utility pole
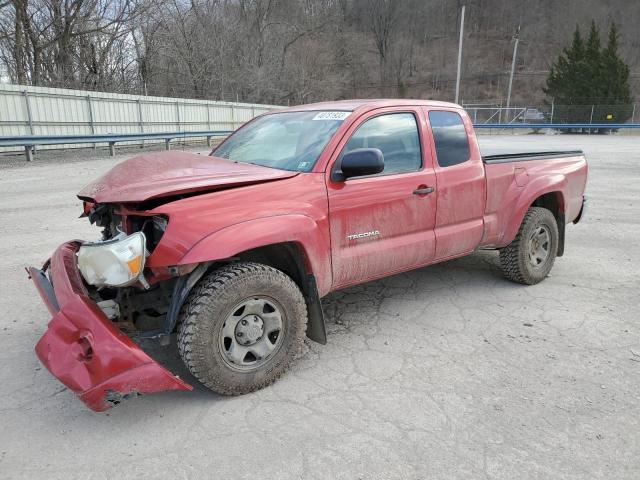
[
  {"x": 460, "y": 54},
  {"x": 513, "y": 66}
]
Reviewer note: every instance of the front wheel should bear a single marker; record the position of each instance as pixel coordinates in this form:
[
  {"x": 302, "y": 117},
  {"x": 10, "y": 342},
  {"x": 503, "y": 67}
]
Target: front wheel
[
  {"x": 241, "y": 327},
  {"x": 529, "y": 258}
]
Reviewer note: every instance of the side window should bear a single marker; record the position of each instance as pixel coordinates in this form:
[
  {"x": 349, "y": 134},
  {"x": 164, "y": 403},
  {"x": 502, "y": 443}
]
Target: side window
[
  {"x": 452, "y": 144},
  {"x": 396, "y": 135}
]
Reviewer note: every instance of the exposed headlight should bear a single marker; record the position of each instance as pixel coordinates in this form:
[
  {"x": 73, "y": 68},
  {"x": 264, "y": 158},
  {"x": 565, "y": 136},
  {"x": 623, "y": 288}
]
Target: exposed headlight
[{"x": 117, "y": 262}]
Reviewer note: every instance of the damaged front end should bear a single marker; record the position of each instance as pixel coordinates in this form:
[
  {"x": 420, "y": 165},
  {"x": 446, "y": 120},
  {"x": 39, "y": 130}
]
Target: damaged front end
[{"x": 104, "y": 299}]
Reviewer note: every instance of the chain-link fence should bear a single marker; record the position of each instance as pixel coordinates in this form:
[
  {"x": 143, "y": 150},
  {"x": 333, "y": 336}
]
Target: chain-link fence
[{"x": 486, "y": 114}]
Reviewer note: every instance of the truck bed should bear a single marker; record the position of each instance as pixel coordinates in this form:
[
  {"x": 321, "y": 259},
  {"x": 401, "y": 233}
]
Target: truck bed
[{"x": 516, "y": 180}]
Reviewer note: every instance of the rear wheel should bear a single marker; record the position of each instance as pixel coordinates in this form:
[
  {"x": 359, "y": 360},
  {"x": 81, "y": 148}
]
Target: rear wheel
[
  {"x": 530, "y": 257},
  {"x": 241, "y": 327}
]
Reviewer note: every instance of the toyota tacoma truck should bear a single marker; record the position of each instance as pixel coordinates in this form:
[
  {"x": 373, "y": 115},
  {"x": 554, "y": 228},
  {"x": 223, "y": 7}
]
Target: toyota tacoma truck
[{"x": 235, "y": 250}]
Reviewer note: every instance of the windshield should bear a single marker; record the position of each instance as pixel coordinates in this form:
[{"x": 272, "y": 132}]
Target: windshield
[{"x": 288, "y": 140}]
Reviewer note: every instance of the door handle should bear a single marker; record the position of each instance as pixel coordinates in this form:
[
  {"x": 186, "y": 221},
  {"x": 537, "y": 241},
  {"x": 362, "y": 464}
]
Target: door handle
[{"x": 423, "y": 190}]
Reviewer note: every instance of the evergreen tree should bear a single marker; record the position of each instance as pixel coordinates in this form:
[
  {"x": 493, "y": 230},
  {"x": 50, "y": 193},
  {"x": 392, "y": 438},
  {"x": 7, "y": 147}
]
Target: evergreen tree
[
  {"x": 585, "y": 74},
  {"x": 615, "y": 72},
  {"x": 567, "y": 73},
  {"x": 594, "y": 82}
]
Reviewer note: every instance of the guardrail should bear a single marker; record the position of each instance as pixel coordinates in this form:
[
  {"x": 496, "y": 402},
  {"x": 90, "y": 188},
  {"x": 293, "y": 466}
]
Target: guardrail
[{"x": 29, "y": 142}]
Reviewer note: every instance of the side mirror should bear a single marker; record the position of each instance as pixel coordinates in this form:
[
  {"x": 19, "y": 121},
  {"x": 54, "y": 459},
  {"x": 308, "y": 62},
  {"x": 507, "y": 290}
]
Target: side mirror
[{"x": 360, "y": 162}]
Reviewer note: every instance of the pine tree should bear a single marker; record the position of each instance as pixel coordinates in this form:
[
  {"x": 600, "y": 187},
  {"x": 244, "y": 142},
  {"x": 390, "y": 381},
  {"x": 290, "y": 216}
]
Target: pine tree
[
  {"x": 616, "y": 92},
  {"x": 566, "y": 75},
  {"x": 594, "y": 83},
  {"x": 616, "y": 72},
  {"x": 585, "y": 74}
]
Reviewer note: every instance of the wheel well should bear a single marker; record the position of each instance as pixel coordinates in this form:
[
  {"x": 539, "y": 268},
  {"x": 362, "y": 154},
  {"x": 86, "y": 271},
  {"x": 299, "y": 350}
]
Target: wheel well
[
  {"x": 286, "y": 257},
  {"x": 554, "y": 202},
  {"x": 290, "y": 258}
]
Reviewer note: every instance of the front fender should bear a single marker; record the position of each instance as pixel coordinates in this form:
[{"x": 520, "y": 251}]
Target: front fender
[
  {"x": 532, "y": 191},
  {"x": 240, "y": 237}
]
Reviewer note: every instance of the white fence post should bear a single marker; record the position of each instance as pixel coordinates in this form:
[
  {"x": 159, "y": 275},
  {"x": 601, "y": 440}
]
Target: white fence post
[
  {"x": 25, "y": 94},
  {"x": 28, "y": 150},
  {"x": 208, "y": 125},
  {"x": 91, "y": 122},
  {"x": 140, "y": 121},
  {"x": 90, "y": 110}
]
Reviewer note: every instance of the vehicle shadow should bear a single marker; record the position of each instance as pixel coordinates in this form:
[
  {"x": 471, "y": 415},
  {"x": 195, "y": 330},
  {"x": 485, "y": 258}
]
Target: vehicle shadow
[
  {"x": 479, "y": 268},
  {"x": 169, "y": 358}
]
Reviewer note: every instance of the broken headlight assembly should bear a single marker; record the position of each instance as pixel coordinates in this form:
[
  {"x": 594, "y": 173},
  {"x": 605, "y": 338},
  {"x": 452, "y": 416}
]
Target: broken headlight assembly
[
  {"x": 152, "y": 227},
  {"x": 117, "y": 262}
]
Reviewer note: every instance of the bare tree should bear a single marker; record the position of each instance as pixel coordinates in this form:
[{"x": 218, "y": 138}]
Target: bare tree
[
  {"x": 292, "y": 51},
  {"x": 64, "y": 42}
]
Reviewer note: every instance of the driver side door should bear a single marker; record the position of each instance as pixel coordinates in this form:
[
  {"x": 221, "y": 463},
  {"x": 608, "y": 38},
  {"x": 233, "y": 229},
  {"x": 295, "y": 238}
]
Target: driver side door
[{"x": 383, "y": 223}]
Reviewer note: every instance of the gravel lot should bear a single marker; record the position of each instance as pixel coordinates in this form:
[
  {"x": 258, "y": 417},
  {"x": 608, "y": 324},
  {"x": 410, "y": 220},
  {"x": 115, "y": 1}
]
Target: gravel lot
[{"x": 444, "y": 372}]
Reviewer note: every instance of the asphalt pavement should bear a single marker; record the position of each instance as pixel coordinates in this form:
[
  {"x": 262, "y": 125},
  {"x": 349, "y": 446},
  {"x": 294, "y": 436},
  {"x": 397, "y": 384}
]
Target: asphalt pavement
[{"x": 445, "y": 372}]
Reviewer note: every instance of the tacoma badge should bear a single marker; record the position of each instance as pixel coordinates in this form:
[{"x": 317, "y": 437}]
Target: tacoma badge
[{"x": 355, "y": 236}]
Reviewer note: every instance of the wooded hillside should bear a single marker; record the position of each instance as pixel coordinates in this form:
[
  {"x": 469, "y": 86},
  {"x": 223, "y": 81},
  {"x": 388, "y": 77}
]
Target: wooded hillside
[{"x": 298, "y": 51}]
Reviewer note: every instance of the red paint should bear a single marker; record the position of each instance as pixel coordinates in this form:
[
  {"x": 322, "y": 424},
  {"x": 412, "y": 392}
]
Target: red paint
[
  {"x": 242, "y": 207},
  {"x": 86, "y": 352},
  {"x": 507, "y": 201},
  {"x": 384, "y": 203},
  {"x": 461, "y": 199},
  {"x": 171, "y": 173}
]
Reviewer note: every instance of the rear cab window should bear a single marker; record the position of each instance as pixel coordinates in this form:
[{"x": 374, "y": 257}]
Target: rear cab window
[{"x": 450, "y": 138}]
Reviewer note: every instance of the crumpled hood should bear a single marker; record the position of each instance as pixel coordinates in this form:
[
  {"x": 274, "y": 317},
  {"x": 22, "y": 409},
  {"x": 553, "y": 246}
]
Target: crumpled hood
[{"x": 162, "y": 174}]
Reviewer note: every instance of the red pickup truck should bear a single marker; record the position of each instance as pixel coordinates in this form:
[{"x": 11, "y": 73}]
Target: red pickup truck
[{"x": 235, "y": 250}]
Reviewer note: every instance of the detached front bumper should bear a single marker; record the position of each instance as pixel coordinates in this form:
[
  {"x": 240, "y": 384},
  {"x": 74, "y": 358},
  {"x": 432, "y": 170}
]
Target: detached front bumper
[{"x": 83, "y": 349}]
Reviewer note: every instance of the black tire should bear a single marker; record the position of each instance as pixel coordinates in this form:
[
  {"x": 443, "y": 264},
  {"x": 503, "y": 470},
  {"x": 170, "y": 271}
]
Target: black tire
[
  {"x": 515, "y": 260},
  {"x": 208, "y": 308}
]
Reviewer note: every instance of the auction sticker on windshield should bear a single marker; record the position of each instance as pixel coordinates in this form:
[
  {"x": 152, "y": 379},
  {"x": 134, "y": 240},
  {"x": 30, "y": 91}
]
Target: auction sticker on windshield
[{"x": 331, "y": 116}]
